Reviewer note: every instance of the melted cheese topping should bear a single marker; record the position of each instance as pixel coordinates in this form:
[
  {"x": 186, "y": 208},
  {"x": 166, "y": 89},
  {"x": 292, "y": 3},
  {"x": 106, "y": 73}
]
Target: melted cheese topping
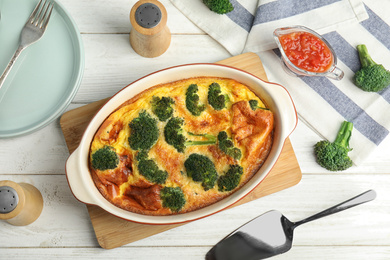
[{"x": 251, "y": 132}]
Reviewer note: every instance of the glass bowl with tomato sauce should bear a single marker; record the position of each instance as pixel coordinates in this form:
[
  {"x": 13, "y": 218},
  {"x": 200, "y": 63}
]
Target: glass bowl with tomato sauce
[{"x": 306, "y": 53}]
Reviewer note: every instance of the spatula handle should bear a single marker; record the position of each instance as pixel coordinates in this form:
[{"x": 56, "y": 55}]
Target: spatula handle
[{"x": 359, "y": 199}]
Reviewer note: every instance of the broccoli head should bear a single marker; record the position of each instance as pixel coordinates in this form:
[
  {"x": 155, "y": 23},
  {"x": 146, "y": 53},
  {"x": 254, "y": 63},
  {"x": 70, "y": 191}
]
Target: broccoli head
[
  {"x": 192, "y": 100},
  {"x": 226, "y": 145},
  {"x": 231, "y": 179},
  {"x": 201, "y": 169},
  {"x": 334, "y": 156},
  {"x": 219, "y": 6},
  {"x": 149, "y": 169},
  {"x": 173, "y": 133},
  {"x": 254, "y": 104},
  {"x": 162, "y": 107},
  {"x": 143, "y": 132},
  {"x": 371, "y": 77},
  {"x": 173, "y": 198},
  {"x": 105, "y": 158},
  {"x": 215, "y": 98}
]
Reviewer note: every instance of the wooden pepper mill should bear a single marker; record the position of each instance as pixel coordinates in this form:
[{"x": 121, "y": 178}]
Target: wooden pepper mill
[
  {"x": 20, "y": 204},
  {"x": 150, "y": 37}
]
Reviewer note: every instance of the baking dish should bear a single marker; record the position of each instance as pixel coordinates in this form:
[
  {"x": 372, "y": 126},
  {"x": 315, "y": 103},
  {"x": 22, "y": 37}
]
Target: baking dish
[{"x": 275, "y": 96}]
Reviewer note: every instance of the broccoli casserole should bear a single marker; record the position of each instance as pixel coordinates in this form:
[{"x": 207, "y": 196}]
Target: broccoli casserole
[{"x": 181, "y": 146}]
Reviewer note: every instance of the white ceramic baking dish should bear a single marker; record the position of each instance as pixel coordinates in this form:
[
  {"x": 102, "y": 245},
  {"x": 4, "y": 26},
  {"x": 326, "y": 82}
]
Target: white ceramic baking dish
[{"x": 275, "y": 96}]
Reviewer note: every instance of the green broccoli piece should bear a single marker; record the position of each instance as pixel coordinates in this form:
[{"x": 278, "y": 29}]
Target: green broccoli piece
[
  {"x": 192, "y": 100},
  {"x": 162, "y": 107},
  {"x": 226, "y": 145},
  {"x": 149, "y": 169},
  {"x": 173, "y": 198},
  {"x": 105, "y": 158},
  {"x": 173, "y": 133},
  {"x": 219, "y": 6},
  {"x": 231, "y": 179},
  {"x": 254, "y": 104},
  {"x": 143, "y": 132},
  {"x": 371, "y": 77},
  {"x": 215, "y": 98},
  {"x": 201, "y": 169},
  {"x": 334, "y": 156}
]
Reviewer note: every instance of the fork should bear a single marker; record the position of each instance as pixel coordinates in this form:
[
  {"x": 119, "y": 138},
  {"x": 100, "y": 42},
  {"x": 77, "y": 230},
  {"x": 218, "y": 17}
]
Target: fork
[{"x": 31, "y": 32}]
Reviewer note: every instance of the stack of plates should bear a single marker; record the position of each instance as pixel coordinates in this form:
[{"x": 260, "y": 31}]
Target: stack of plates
[{"x": 46, "y": 76}]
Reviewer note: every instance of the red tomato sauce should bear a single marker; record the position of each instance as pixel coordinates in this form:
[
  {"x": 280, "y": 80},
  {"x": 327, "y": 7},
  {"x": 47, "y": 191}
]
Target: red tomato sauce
[{"x": 307, "y": 51}]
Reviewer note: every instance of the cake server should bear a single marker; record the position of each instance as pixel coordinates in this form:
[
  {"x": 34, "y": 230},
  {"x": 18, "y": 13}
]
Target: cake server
[{"x": 271, "y": 234}]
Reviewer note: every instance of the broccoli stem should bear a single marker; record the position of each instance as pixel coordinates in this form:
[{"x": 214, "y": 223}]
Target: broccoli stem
[
  {"x": 364, "y": 56},
  {"x": 210, "y": 140},
  {"x": 344, "y": 134}
]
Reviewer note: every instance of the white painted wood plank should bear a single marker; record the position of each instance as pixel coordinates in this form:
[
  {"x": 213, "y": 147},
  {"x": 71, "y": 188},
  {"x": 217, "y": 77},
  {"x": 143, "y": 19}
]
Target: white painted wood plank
[
  {"x": 192, "y": 253},
  {"x": 101, "y": 16},
  {"x": 64, "y": 221},
  {"x": 111, "y": 64},
  {"x": 335, "y": 252},
  {"x": 42, "y": 152}
]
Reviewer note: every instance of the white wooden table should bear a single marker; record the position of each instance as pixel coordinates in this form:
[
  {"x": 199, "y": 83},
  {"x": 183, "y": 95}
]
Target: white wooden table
[{"x": 64, "y": 229}]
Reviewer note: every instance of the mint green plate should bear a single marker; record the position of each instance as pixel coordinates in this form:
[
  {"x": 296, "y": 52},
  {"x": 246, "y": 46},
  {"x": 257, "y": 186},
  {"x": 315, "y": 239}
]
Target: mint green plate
[{"x": 46, "y": 76}]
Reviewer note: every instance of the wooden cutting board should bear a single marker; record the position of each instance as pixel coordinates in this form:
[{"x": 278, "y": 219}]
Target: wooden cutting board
[{"x": 113, "y": 232}]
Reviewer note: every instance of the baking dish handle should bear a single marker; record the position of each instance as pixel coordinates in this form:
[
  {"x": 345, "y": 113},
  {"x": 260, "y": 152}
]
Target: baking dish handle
[
  {"x": 286, "y": 105},
  {"x": 75, "y": 179}
]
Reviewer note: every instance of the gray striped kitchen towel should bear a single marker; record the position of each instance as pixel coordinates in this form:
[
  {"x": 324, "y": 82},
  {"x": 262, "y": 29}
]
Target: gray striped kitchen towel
[
  {"x": 322, "y": 104},
  {"x": 252, "y": 22}
]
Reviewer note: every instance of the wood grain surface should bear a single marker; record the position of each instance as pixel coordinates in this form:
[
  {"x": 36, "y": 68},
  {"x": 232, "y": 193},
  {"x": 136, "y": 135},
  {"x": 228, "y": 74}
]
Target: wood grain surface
[
  {"x": 112, "y": 232},
  {"x": 64, "y": 229}
]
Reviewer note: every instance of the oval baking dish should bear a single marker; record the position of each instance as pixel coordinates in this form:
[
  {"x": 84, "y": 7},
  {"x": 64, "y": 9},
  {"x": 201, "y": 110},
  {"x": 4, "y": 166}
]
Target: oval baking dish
[{"x": 275, "y": 96}]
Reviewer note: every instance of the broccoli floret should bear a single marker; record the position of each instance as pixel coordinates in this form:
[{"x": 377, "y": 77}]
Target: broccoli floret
[
  {"x": 173, "y": 133},
  {"x": 149, "y": 169},
  {"x": 162, "y": 107},
  {"x": 192, "y": 100},
  {"x": 226, "y": 145},
  {"x": 254, "y": 104},
  {"x": 334, "y": 156},
  {"x": 201, "y": 169},
  {"x": 215, "y": 98},
  {"x": 105, "y": 158},
  {"x": 173, "y": 198},
  {"x": 219, "y": 6},
  {"x": 231, "y": 179},
  {"x": 371, "y": 77},
  {"x": 143, "y": 132}
]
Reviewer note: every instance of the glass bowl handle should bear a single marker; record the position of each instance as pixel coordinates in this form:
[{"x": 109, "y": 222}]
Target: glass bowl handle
[{"x": 336, "y": 74}]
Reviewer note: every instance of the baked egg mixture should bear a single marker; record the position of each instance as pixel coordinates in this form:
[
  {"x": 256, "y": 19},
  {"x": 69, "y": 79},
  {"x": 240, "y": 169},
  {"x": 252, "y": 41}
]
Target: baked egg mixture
[{"x": 181, "y": 146}]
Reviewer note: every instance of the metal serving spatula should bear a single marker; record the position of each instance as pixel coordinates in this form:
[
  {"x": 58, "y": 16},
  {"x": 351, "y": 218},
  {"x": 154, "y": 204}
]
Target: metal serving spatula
[{"x": 271, "y": 234}]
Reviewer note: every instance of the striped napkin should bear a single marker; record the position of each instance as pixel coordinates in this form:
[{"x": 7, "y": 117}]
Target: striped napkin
[
  {"x": 251, "y": 24},
  {"x": 322, "y": 104}
]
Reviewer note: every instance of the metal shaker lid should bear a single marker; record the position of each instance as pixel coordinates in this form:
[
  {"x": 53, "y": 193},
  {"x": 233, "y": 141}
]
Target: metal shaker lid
[
  {"x": 8, "y": 199},
  {"x": 148, "y": 15}
]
